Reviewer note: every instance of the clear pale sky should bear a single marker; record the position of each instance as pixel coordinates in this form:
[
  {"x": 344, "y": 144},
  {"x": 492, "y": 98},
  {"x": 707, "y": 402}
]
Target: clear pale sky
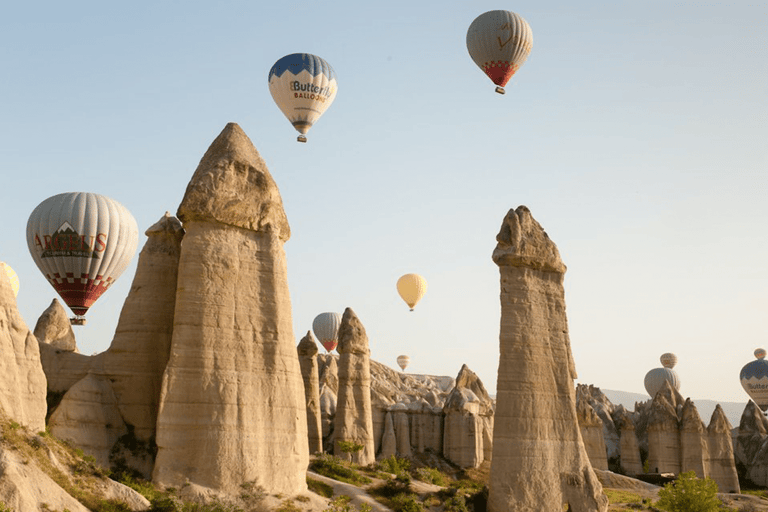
[{"x": 636, "y": 134}]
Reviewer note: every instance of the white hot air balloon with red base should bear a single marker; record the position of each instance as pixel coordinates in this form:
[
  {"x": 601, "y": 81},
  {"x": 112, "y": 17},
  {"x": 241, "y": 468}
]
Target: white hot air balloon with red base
[
  {"x": 81, "y": 242},
  {"x": 499, "y": 42}
]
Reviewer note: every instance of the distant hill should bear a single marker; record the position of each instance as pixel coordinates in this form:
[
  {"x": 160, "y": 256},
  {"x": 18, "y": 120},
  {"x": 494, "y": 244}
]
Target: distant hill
[{"x": 732, "y": 410}]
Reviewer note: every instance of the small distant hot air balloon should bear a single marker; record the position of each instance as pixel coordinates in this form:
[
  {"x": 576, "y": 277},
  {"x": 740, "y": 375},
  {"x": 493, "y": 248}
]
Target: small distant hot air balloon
[
  {"x": 12, "y": 277},
  {"x": 499, "y": 42},
  {"x": 303, "y": 86},
  {"x": 81, "y": 242},
  {"x": 754, "y": 379},
  {"x": 403, "y": 362},
  {"x": 655, "y": 378},
  {"x": 326, "y": 327},
  {"x": 411, "y": 288}
]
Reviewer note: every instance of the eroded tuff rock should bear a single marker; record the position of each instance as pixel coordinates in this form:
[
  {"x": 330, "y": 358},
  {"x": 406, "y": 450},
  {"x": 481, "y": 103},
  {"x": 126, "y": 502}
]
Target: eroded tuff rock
[
  {"x": 22, "y": 381},
  {"x": 630, "y": 462},
  {"x": 54, "y": 328},
  {"x": 468, "y": 421},
  {"x": 752, "y": 444},
  {"x": 232, "y": 406},
  {"x": 307, "y": 351},
  {"x": 354, "y": 422},
  {"x": 722, "y": 467},
  {"x": 88, "y": 417},
  {"x": 539, "y": 461},
  {"x": 592, "y": 433}
]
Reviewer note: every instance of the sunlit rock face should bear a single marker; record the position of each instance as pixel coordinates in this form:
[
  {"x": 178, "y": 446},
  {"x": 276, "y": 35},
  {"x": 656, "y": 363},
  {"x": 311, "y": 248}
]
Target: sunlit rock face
[
  {"x": 307, "y": 351},
  {"x": 53, "y": 328},
  {"x": 354, "y": 422},
  {"x": 468, "y": 421},
  {"x": 22, "y": 381},
  {"x": 136, "y": 359},
  {"x": 722, "y": 465},
  {"x": 539, "y": 460},
  {"x": 232, "y": 403},
  {"x": 592, "y": 433},
  {"x": 630, "y": 462},
  {"x": 88, "y": 417}
]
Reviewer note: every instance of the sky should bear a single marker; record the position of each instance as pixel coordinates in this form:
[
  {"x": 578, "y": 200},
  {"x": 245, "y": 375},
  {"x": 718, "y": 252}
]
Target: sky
[{"x": 635, "y": 133}]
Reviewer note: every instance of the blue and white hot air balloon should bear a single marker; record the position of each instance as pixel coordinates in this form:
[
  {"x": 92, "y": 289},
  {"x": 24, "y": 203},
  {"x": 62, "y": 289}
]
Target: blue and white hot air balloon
[
  {"x": 303, "y": 86},
  {"x": 754, "y": 379}
]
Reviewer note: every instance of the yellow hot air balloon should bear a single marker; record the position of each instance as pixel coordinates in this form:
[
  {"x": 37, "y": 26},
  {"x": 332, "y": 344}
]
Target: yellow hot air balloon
[
  {"x": 12, "y": 277},
  {"x": 411, "y": 288},
  {"x": 403, "y": 362}
]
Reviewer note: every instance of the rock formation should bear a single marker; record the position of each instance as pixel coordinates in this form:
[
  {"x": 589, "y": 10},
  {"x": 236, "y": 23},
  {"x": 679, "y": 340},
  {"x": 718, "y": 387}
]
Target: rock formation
[
  {"x": 120, "y": 388},
  {"x": 592, "y": 434},
  {"x": 53, "y": 328},
  {"x": 539, "y": 461},
  {"x": 751, "y": 449},
  {"x": 694, "y": 452},
  {"x": 663, "y": 436},
  {"x": 88, "y": 417},
  {"x": 232, "y": 407},
  {"x": 468, "y": 421},
  {"x": 354, "y": 422},
  {"x": 307, "y": 351},
  {"x": 630, "y": 462},
  {"x": 722, "y": 468},
  {"x": 22, "y": 381}
]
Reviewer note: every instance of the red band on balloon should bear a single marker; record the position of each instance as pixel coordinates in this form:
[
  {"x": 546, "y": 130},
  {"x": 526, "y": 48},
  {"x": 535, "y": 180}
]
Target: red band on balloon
[
  {"x": 79, "y": 293},
  {"x": 499, "y": 71}
]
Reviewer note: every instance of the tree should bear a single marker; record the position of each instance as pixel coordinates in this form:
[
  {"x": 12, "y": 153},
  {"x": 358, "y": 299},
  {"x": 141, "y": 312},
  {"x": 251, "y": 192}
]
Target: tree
[{"x": 689, "y": 494}]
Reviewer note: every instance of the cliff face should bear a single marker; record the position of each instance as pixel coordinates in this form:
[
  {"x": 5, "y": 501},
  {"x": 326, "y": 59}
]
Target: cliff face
[
  {"x": 539, "y": 461},
  {"x": 232, "y": 404}
]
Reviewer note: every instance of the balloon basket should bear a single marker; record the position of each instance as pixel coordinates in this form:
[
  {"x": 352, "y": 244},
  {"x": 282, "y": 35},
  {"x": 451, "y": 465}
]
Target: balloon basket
[
  {"x": 77, "y": 320},
  {"x": 500, "y": 90},
  {"x": 301, "y": 138}
]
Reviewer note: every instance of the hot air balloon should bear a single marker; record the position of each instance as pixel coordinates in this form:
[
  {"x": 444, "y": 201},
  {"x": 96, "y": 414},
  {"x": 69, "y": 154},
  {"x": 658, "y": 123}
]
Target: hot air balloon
[
  {"x": 754, "y": 379},
  {"x": 326, "y": 327},
  {"x": 303, "y": 86},
  {"x": 499, "y": 42},
  {"x": 655, "y": 378},
  {"x": 12, "y": 277},
  {"x": 81, "y": 242},
  {"x": 403, "y": 362},
  {"x": 411, "y": 288}
]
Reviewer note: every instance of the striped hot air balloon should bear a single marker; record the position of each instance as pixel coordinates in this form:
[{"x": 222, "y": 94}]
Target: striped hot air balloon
[
  {"x": 326, "y": 327},
  {"x": 499, "y": 42},
  {"x": 754, "y": 379},
  {"x": 81, "y": 242},
  {"x": 403, "y": 362},
  {"x": 303, "y": 86}
]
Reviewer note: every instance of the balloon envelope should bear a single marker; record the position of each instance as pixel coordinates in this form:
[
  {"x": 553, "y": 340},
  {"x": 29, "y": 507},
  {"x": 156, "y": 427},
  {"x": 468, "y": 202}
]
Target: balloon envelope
[
  {"x": 668, "y": 360},
  {"x": 655, "y": 378},
  {"x": 12, "y": 277},
  {"x": 326, "y": 328},
  {"x": 303, "y": 86},
  {"x": 403, "y": 362},
  {"x": 81, "y": 242},
  {"x": 754, "y": 380},
  {"x": 411, "y": 288},
  {"x": 499, "y": 42}
]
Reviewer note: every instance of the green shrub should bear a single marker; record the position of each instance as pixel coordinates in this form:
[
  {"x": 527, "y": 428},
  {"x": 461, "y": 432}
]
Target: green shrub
[
  {"x": 689, "y": 494},
  {"x": 333, "y": 467},
  {"x": 455, "y": 504},
  {"x": 320, "y": 488},
  {"x": 342, "y": 504},
  {"x": 406, "y": 503},
  {"x": 432, "y": 476},
  {"x": 394, "y": 465},
  {"x": 349, "y": 446}
]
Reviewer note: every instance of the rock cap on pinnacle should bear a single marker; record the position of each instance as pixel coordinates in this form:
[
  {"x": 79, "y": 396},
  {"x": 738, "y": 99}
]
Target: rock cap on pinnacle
[
  {"x": 307, "y": 346},
  {"x": 233, "y": 186},
  {"x": 522, "y": 242},
  {"x": 352, "y": 336}
]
